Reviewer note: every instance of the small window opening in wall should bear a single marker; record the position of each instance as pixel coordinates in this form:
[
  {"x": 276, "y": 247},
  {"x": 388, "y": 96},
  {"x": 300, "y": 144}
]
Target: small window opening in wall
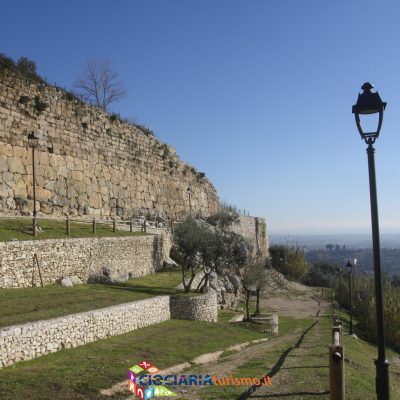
[
  {"x": 50, "y": 150},
  {"x": 130, "y": 275}
]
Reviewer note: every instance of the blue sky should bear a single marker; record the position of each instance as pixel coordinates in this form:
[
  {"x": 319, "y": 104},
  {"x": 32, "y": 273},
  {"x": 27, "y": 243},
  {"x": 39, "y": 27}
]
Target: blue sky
[{"x": 257, "y": 94}]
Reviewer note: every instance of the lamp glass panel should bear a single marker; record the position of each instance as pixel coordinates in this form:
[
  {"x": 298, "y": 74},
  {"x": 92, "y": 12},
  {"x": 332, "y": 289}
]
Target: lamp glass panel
[{"x": 369, "y": 122}]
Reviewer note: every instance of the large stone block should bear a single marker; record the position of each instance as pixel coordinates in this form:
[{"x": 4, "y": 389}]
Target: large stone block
[
  {"x": 20, "y": 189},
  {"x": 15, "y": 165}
]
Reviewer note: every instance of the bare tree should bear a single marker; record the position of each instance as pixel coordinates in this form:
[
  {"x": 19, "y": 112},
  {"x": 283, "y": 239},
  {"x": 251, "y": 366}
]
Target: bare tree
[{"x": 99, "y": 83}]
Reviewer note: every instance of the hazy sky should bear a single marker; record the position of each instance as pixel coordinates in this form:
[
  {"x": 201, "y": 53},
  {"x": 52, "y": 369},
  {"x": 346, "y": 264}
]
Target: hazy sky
[{"x": 257, "y": 94}]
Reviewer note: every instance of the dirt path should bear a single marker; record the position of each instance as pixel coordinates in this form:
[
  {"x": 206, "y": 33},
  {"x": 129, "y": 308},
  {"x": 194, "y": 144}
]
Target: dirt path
[
  {"x": 292, "y": 361},
  {"x": 295, "y": 300},
  {"x": 301, "y": 354}
]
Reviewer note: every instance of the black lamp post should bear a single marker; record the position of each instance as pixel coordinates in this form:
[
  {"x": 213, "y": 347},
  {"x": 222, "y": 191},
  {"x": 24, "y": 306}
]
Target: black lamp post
[
  {"x": 350, "y": 267},
  {"x": 189, "y": 192},
  {"x": 339, "y": 289},
  {"x": 369, "y": 102},
  {"x": 33, "y": 139}
]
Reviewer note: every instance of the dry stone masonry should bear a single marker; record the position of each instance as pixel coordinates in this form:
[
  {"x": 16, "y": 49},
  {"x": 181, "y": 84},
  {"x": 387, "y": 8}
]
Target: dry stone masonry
[
  {"x": 88, "y": 162},
  {"x": 121, "y": 257},
  {"x": 32, "y": 340},
  {"x": 197, "y": 308}
]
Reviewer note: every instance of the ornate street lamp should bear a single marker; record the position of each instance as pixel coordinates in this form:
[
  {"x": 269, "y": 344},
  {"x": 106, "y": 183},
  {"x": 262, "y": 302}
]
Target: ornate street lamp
[
  {"x": 369, "y": 102},
  {"x": 33, "y": 139},
  {"x": 349, "y": 267}
]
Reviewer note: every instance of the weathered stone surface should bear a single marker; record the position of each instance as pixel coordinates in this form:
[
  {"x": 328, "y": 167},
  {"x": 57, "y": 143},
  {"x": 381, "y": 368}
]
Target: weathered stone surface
[
  {"x": 67, "y": 281},
  {"x": 254, "y": 229},
  {"x": 32, "y": 340},
  {"x": 82, "y": 258},
  {"x": 15, "y": 165},
  {"x": 20, "y": 189},
  {"x": 199, "y": 308},
  {"x": 120, "y": 169}
]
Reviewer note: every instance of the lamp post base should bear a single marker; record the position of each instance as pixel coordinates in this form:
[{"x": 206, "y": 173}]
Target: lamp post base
[{"x": 382, "y": 379}]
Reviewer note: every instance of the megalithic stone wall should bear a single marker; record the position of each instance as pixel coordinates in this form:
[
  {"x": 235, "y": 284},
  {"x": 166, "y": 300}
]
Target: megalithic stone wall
[
  {"x": 88, "y": 162},
  {"x": 255, "y": 230}
]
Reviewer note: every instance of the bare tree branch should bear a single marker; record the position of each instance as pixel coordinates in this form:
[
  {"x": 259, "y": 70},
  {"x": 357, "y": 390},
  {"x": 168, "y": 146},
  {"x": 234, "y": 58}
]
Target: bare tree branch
[{"x": 99, "y": 83}]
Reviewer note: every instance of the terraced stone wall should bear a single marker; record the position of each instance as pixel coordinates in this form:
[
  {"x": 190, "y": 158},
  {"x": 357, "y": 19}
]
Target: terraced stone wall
[{"x": 122, "y": 257}]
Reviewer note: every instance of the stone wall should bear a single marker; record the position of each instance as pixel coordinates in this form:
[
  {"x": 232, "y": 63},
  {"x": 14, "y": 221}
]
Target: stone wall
[
  {"x": 199, "y": 308},
  {"x": 28, "y": 341},
  {"x": 121, "y": 256},
  {"x": 35, "y": 339},
  {"x": 255, "y": 230},
  {"x": 88, "y": 162}
]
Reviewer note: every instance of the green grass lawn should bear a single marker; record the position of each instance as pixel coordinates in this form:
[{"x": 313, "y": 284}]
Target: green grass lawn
[
  {"x": 81, "y": 372},
  {"x": 32, "y": 304},
  {"x": 298, "y": 366},
  {"x": 21, "y": 229}
]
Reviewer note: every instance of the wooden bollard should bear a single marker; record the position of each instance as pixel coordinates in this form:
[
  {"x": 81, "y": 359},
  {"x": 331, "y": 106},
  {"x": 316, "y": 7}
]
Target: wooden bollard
[
  {"x": 336, "y": 372},
  {"x": 144, "y": 226},
  {"x": 337, "y": 333},
  {"x": 131, "y": 226},
  {"x": 94, "y": 226},
  {"x": 114, "y": 225}
]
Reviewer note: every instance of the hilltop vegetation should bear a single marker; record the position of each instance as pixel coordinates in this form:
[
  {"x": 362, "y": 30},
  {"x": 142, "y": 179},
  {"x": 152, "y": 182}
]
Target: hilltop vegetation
[{"x": 324, "y": 272}]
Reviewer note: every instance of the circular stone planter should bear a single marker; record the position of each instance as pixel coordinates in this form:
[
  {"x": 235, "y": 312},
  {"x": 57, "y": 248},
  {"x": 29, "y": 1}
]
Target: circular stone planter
[{"x": 196, "y": 308}]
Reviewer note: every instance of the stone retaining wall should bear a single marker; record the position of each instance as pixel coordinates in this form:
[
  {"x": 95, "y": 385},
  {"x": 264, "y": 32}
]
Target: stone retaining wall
[
  {"x": 28, "y": 341},
  {"x": 32, "y": 340},
  {"x": 121, "y": 256},
  {"x": 199, "y": 308}
]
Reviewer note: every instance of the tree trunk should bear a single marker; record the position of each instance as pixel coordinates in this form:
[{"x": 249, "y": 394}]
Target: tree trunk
[
  {"x": 258, "y": 302},
  {"x": 247, "y": 304}
]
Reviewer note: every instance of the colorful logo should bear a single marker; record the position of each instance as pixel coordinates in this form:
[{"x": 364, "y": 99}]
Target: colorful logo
[{"x": 155, "y": 390}]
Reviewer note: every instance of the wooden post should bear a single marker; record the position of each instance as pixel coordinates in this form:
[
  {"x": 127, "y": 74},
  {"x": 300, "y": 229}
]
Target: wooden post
[
  {"x": 337, "y": 335},
  {"x": 114, "y": 225},
  {"x": 144, "y": 225},
  {"x": 131, "y": 225},
  {"x": 336, "y": 372},
  {"x": 68, "y": 222},
  {"x": 94, "y": 226},
  {"x": 35, "y": 259}
]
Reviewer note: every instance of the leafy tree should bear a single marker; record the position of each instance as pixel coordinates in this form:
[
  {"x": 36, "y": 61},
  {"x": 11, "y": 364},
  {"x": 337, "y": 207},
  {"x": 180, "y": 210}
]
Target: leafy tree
[
  {"x": 290, "y": 261},
  {"x": 201, "y": 245},
  {"x": 189, "y": 239},
  {"x": 223, "y": 219},
  {"x": 254, "y": 280},
  {"x": 323, "y": 274},
  {"x": 26, "y": 67},
  {"x": 99, "y": 83}
]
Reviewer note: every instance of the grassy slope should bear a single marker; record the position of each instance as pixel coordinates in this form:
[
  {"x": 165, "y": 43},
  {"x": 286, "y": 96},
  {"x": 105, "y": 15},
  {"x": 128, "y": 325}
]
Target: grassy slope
[
  {"x": 81, "y": 372},
  {"x": 32, "y": 304},
  {"x": 21, "y": 229}
]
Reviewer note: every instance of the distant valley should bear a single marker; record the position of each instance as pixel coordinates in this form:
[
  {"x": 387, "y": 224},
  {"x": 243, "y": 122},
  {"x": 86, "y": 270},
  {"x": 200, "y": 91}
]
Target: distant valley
[{"x": 338, "y": 249}]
